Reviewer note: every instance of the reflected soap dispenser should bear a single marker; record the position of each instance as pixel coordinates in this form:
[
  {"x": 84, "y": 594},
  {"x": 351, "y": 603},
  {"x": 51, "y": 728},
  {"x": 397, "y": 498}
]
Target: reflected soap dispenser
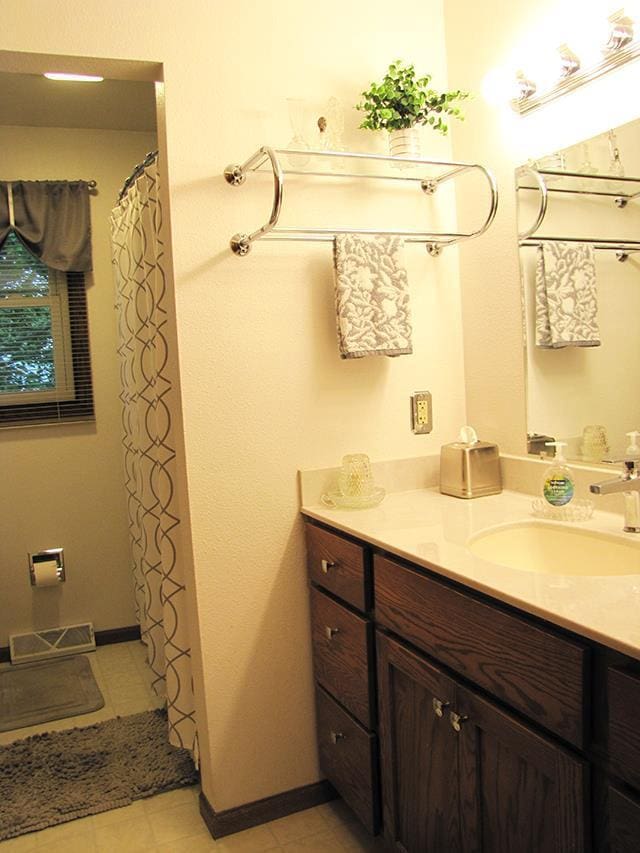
[
  {"x": 633, "y": 450},
  {"x": 632, "y": 498},
  {"x": 558, "y": 485}
]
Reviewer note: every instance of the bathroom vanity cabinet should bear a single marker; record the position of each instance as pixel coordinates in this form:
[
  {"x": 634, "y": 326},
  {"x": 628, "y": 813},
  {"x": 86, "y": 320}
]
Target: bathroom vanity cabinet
[{"x": 452, "y": 722}]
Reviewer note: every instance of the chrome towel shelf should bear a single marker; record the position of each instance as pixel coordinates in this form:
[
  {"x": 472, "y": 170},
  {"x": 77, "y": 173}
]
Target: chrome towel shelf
[
  {"x": 540, "y": 177},
  {"x": 441, "y": 171}
]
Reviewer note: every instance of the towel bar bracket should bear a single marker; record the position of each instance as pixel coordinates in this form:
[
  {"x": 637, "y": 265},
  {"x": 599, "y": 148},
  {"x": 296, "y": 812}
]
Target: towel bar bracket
[
  {"x": 621, "y": 201},
  {"x": 434, "y": 249},
  {"x": 240, "y": 244},
  {"x": 235, "y": 175},
  {"x": 429, "y": 186}
]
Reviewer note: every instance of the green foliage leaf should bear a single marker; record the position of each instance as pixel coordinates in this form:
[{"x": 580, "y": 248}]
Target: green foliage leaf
[{"x": 401, "y": 101}]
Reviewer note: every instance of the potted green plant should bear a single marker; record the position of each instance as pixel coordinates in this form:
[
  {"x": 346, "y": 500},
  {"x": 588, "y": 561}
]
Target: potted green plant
[{"x": 401, "y": 102}]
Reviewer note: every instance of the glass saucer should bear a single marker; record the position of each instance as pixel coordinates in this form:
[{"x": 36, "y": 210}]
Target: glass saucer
[
  {"x": 576, "y": 510},
  {"x": 337, "y": 500}
]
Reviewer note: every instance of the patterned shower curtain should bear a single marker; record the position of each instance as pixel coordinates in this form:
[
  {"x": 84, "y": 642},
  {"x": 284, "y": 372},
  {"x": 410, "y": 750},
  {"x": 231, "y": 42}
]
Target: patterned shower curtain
[{"x": 149, "y": 456}]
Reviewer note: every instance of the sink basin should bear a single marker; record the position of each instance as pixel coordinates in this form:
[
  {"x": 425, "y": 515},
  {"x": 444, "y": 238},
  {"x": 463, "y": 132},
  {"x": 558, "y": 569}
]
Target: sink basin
[{"x": 555, "y": 549}]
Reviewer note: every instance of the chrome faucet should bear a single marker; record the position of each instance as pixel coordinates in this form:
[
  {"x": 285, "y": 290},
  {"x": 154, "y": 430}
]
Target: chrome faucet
[{"x": 629, "y": 483}]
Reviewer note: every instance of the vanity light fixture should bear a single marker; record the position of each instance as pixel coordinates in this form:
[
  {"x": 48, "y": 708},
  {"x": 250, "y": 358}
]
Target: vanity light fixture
[
  {"x": 569, "y": 62},
  {"x": 524, "y": 87},
  {"x": 621, "y": 46},
  {"x": 621, "y": 33},
  {"x": 77, "y": 78}
]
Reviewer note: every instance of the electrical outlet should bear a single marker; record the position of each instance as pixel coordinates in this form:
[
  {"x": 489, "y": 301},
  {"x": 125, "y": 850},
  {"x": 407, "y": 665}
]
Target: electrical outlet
[{"x": 421, "y": 413}]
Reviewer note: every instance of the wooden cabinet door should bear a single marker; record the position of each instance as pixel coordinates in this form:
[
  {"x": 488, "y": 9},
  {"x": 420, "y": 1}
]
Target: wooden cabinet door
[
  {"x": 624, "y": 822},
  {"x": 518, "y": 790},
  {"x": 418, "y": 753}
]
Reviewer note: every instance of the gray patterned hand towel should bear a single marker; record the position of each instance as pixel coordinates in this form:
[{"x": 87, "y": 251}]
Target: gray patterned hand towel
[
  {"x": 566, "y": 297},
  {"x": 372, "y": 296}
]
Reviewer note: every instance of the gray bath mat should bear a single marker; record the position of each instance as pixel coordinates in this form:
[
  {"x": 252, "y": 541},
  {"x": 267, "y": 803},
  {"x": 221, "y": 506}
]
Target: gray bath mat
[
  {"x": 52, "y": 778},
  {"x": 51, "y": 690}
]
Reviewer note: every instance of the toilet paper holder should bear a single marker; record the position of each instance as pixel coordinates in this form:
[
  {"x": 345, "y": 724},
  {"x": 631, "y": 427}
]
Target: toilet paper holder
[{"x": 47, "y": 556}]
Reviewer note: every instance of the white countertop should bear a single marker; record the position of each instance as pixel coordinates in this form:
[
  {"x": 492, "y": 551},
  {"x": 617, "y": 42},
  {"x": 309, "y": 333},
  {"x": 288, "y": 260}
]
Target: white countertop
[{"x": 432, "y": 530}]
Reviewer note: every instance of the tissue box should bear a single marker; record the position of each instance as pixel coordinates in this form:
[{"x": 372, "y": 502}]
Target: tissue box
[{"x": 470, "y": 470}]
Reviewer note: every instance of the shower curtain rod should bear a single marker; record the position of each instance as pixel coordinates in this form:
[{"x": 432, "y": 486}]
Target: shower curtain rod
[{"x": 137, "y": 171}]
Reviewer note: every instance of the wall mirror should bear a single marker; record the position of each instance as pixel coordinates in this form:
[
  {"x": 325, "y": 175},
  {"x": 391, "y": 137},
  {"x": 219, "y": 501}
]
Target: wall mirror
[{"x": 579, "y": 239}]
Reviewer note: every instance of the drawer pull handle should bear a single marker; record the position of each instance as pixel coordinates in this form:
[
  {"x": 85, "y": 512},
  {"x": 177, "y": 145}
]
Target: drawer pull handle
[
  {"x": 457, "y": 720},
  {"x": 326, "y": 565},
  {"x": 336, "y": 736},
  {"x": 439, "y": 706},
  {"x": 331, "y": 632}
]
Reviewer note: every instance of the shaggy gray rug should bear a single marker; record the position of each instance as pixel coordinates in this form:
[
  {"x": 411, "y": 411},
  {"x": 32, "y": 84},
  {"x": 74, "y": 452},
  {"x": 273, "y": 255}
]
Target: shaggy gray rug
[
  {"x": 52, "y": 778},
  {"x": 51, "y": 690}
]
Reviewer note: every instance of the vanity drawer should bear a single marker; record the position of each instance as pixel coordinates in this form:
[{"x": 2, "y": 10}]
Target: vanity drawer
[
  {"x": 534, "y": 670},
  {"x": 623, "y": 690},
  {"x": 348, "y": 759},
  {"x": 341, "y": 652},
  {"x": 337, "y": 565}
]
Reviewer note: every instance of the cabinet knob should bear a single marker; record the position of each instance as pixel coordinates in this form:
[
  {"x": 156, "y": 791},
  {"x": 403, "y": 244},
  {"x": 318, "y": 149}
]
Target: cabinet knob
[
  {"x": 439, "y": 706},
  {"x": 326, "y": 565},
  {"x": 457, "y": 720},
  {"x": 331, "y": 632},
  {"x": 336, "y": 736}
]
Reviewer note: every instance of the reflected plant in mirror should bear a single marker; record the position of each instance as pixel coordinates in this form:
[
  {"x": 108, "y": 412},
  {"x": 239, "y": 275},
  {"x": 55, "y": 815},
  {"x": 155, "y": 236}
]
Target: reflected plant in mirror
[{"x": 580, "y": 272}]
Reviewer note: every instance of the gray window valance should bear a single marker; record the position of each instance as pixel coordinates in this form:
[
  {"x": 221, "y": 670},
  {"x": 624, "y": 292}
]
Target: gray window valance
[{"x": 51, "y": 218}]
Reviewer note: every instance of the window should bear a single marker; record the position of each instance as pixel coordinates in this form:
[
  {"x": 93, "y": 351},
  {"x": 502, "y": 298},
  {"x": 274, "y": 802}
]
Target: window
[{"x": 45, "y": 373}]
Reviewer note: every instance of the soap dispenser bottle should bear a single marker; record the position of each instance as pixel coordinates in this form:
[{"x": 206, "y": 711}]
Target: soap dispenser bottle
[
  {"x": 557, "y": 485},
  {"x": 632, "y": 498}
]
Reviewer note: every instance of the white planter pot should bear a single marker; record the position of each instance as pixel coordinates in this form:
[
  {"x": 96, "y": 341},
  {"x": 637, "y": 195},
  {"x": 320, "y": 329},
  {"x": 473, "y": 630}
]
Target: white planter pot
[{"x": 404, "y": 143}]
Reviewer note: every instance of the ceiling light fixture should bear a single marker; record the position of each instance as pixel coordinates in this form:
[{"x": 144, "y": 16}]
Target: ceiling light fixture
[
  {"x": 78, "y": 78},
  {"x": 620, "y": 47}
]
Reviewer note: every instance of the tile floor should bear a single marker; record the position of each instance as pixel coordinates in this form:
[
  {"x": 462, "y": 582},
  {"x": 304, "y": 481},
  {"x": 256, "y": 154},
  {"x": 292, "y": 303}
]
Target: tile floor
[
  {"x": 171, "y": 823},
  {"x": 124, "y": 678}
]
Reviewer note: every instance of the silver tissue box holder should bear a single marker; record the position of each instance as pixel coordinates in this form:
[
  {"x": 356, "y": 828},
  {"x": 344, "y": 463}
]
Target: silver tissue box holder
[{"x": 470, "y": 468}]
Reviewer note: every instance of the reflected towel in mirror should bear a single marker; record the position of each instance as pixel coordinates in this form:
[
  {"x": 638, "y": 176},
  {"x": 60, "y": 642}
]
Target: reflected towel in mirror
[
  {"x": 566, "y": 296},
  {"x": 372, "y": 296}
]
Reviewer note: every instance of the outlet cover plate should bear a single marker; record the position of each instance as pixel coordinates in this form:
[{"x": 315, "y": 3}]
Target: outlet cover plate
[{"x": 421, "y": 413}]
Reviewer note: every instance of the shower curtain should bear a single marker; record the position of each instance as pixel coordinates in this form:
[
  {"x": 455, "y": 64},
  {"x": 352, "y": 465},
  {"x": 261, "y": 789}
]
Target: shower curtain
[{"x": 149, "y": 451}]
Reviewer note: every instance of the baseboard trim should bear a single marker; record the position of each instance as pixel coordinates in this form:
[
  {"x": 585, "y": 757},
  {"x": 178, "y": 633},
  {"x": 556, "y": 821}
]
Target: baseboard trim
[
  {"x": 242, "y": 817},
  {"x": 103, "y": 638},
  {"x": 117, "y": 635}
]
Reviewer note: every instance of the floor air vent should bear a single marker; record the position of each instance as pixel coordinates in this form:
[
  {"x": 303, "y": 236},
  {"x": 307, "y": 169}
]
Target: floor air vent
[{"x": 40, "y": 645}]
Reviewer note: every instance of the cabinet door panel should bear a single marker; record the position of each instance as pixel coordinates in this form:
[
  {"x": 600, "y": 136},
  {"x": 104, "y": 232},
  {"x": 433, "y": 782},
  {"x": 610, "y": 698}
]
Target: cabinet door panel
[
  {"x": 418, "y": 753},
  {"x": 624, "y": 734},
  {"x": 624, "y": 823},
  {"x": 519, "y": 791}
]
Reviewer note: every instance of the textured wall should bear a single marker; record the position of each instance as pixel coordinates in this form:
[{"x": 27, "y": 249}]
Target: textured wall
[
  {"x": 64, "y": 484},
  {"x": 264, "y": 391}
]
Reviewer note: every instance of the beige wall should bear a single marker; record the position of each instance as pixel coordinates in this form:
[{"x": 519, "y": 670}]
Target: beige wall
[
  {"x": 63, "y": 485},
  {"x": 482, "y": 37},
  {"x": 264, "y": 391}
]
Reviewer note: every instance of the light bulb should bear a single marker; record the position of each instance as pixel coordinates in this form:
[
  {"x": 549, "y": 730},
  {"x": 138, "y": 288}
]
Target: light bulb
[
  {"x": 498, "y": 86},
  {"x": 77, "y": 78}
]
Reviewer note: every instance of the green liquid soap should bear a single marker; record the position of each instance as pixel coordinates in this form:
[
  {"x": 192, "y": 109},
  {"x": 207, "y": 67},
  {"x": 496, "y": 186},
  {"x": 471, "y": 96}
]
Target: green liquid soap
[{"x": 558, "y": 487}]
